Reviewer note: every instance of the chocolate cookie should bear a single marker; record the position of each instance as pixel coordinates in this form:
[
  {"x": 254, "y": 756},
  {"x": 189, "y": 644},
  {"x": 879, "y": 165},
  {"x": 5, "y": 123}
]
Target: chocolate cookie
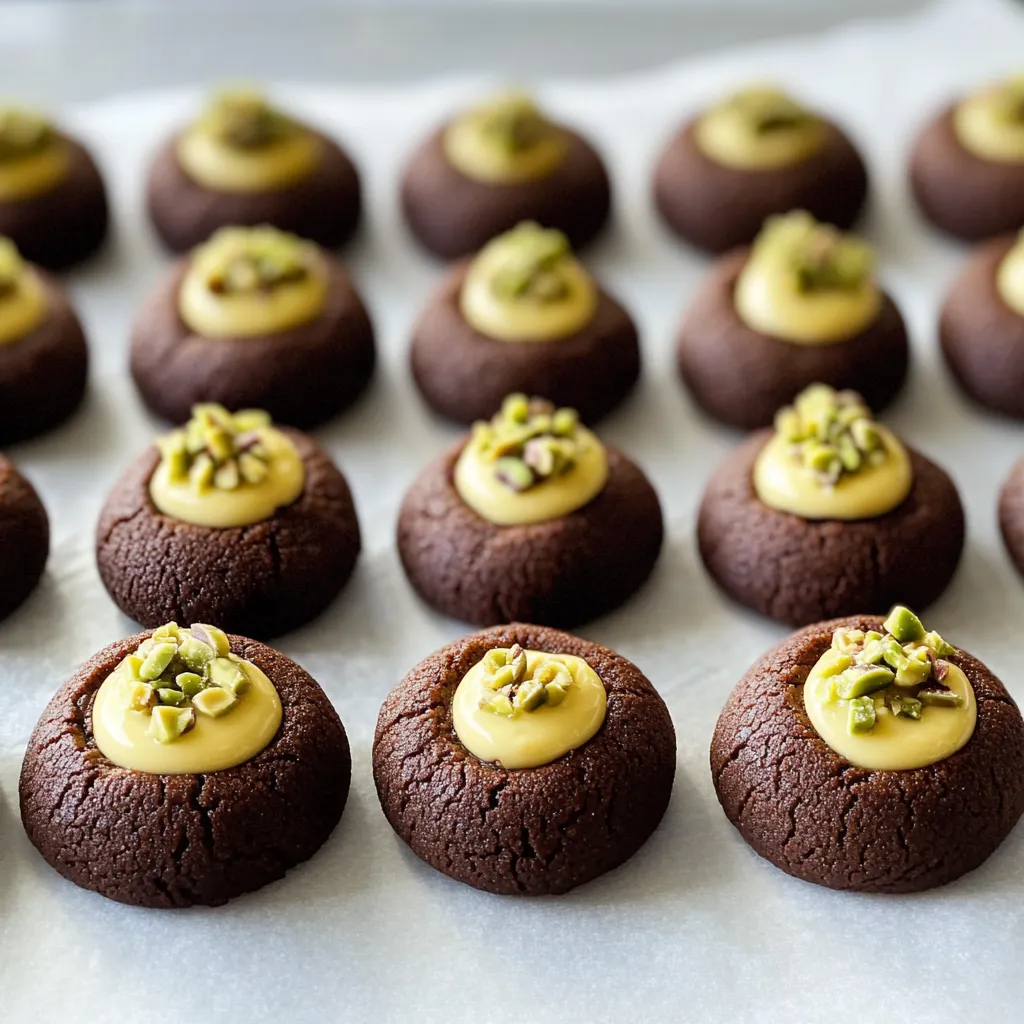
[
  {"x": 531, "y": 831},
  {"x": 43, "y": 374},
  {"x": 716, "y": 207},
  {"x": 302, "y": 376},
  {"x": 959, "y": 192},
  {"x": 324, "y": 207},
  {"x": 982, "y": 338},
  {"x": 814, "y": 815},
  {"x": 181, "y": 840},
  {"x": 560, "y": 572},
  {"x": 453, "y": 215},
  {"x": 1011, "y": 514},
  {"x": 24, "y": 538},
  {"x": 264, "y": 579},
  {"x": 464, "y": 375},
  {"x": 741, "y": 377},
  {"x": 65, "y": 225},
  {"x": 798, "y": 570}
]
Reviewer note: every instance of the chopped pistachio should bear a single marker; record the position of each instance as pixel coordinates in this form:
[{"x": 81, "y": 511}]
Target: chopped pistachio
[
  {"x": 938, "y": 696},
  {"x": 190, "y": 683},
  {"x": 529, "y": 695},
  {"x": 914, "y": 669},
  {"x": 937, "y": 645},
  {"x": 832, "y": 662},
  {"x": 228, "y": 674},
  {"x": 244, "y": 120},
  {"x": 847, "y": 640},
  {"x": 861, "y": 715},
  {"x": 212, "y": 637},
  {"x": 530, "y": 264},
  {"x": 903, "y": 624},
  {"x": 908, "y": 707},
  {"x": 214, "y": 701},
  {"x": 514, "y": 473},
  {"x": 510, "y": 689},
  {"x": 157, "y": 660},
  {"x": 168, "y": 723},
  {"x": 860, "y": 680},
  {"x": 193, "y": 652},
  {"x": 512, "y": 122},
  {"x": 167, "y": 695},
  {"x": 141, "y": 697}
]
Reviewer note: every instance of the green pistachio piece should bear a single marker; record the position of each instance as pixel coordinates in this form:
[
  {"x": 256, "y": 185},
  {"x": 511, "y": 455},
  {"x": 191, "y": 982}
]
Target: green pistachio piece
[
  {"x": 214, "y": 701},
  {"x": 252, "y": 470},
  {"x": 168, "y": 695},
  {"x": 201, "y": 474},
  {"x": 194, "y": 653},
  {"x": 914, "y": 669},
  {"x": 849, "y": 456},
  {"x": 220, "y": 444},
  {"x": 860, "y": 680},
  {"x": 513, "y": 473},
  {"x": 167, "y": 723},
  {"x": 141, "y": 697},
  {"x": 903, "y": 624},
  {"x": 132, "y": 666},
  {"x": 565, "y": 422},
  {"x": 227, "y": 477},
  {"x": 788, "y": 425},
  {"x": 908, "y": 707},
  {"x": 250, "y": 419},
  {"x": 938, "y": 697},
  {"x": 833, "y": 662},
  {"x": 228, "y": 674},
  {"x": 212, "y": 637},
  {"x": 157, "y": 660},
  {"x": 529, "y": 695},
  {"x": 516, "y": 408},
  {"x": 169, "y": 631},
  {"x": 937, "y": 645},
  {"x": 498, "y": 703},
  {"x": 555, "y": 692},
  {"x": 190, "y": 683},
  {"x": 861, "y": 715},
  {"x": 872, "y": 635},
  {"x": 846, "y": 641}
]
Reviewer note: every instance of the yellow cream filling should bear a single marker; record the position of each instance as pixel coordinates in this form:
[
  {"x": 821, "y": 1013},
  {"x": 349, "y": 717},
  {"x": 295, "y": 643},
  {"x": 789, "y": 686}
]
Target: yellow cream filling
[
  {"x": 896, "y": 742},
  {"x": 990, "y": 122},
  {"x": 243, "y": 505},
  {"x": 783, "y": 482},
  {"x": 123, "y": 735},
  {"x": 758, "y": 129},
  {"x": 529, "y": 739},
  {"x": 256, "y": 311},
  {"x": 34, "y": 173},
  {"x": 1010, "y": 277},
  {"x": 22, "y": 305},
  {"x": 482, "y": 143},
  {"x": 480, "y": 487}
]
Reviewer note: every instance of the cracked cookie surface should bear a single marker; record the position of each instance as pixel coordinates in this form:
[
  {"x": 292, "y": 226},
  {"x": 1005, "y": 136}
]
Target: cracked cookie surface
[
  {"x": 24, "y": 538},
  {"x": 179, "y": 840},
  {"x": 818, "y": 817},
  {"x": 260, "y": 580},
  {"x": 533, "y": 831},
  {"x": 798, "y": 571},
  {"x": 560, "y": 572}
]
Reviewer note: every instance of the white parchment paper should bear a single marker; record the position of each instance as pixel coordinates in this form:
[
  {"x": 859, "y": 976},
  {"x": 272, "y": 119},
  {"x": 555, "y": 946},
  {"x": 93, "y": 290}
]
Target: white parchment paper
[{"x": 695, "y": 927}]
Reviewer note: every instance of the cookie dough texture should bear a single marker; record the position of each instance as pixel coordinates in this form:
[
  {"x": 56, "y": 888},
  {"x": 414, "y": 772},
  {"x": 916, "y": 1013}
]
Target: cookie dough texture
[
  {"x": 179, "y": 840},
  {"x": 797, "y": 570},
  {"x": 561, "y": 572},
  {"x": 24, "y": 538},
  {"x": 742, "y": 377},
  {"x": 453, "y": 215},
  {"x": 66, "y": 224},
  {"x": 533, "y": 831},
  {"x": 814, "y": 815},
  {"x": 264, "y": 579},
  {"x": 982, "y": 338},
  {"x": 962, "y": 194},
  {"x": 323, "y": 207},
  {"x": 464, "y": 375},
  {"x": 43, "y": 374},
  {"x": 716, "y": 207},
  {"x": 302, "y": 376},
  {"x": 1011, "y": 514}
]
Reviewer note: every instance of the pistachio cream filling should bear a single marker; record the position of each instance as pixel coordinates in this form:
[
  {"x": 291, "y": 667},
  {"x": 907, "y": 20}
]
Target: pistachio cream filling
[
  {"x": 829, "y": 459},
  {"x": 759, "y": 128},
  {"x": 990, "y": 122},
  {"x": 22, "y": 295},
  {"x": 1010, "y": 277},
  {"x": 525, "y": 285},
  {"x": 184, "y": 704},
  {"x": 250, "y": 282},
  {"x": 505, "y": 141},
  {"x": 891, "y": 700},
  {"x": 529, "y": 464},
  {"x": 33, "y": 157},
  {"x": 242, "y": 144},
  {"x": 223, "y": 470},
  {"x": 807, "y": 283},
  {"x": 522, "y": 709}
]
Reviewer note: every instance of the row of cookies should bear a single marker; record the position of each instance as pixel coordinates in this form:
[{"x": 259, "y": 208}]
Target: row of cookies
[
  {"x": 530, "y": 517},
  {"x": 802, "y": 305},
  {"x": 186, "y": 766},
  {"x": 756, "y": 153}
]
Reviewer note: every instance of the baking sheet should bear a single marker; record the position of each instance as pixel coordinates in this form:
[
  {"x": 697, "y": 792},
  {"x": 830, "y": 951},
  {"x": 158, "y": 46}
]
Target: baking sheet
[{"x": 695, "y": 926}]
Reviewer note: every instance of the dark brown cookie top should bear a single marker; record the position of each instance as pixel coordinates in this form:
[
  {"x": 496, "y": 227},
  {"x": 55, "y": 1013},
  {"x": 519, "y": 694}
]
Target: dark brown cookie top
[
  {"x": 1011, "y": 513},
  {"x": 907, "y": 554},
  {"x": 982, "y": 337},
  {"x": 24, "y": 537},
  {"x": 465, "y": 374},
  {"x": 454, "y": 215},
  {"x": 173, "y": 840},
  {"x": 960, "y": 192},
  {"x": 816, "y": 816},
  {"x": 717, "y": 207},
  {"x": 155, "y": 565},
  {"x": 743, "y": 377},
  {"x": 283, "y": 372},
  {"x": 531, "y": 830}
]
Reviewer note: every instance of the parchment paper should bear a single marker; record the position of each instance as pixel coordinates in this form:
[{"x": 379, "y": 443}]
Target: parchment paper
[{"x": 695, "y": 926}]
